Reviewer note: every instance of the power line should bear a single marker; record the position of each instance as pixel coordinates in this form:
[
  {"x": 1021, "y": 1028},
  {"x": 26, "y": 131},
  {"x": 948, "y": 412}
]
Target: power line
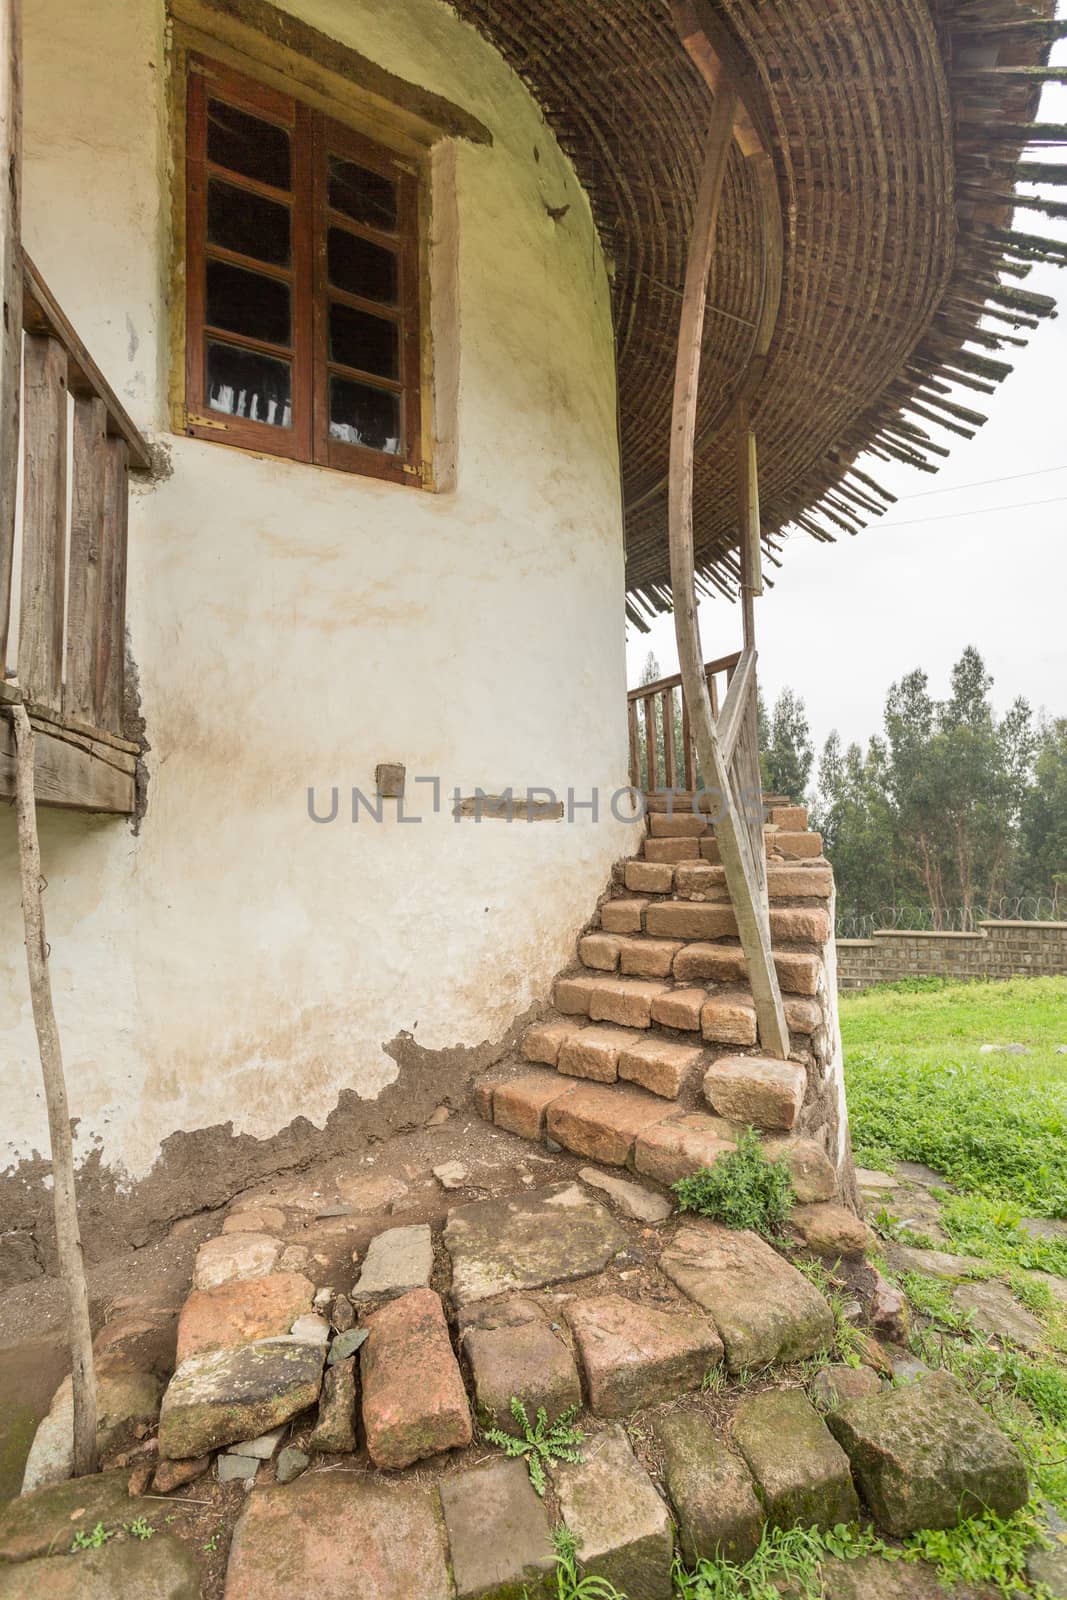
[
  {"x": 986, "y": 511},
  {"x": 983, "y": 483}
]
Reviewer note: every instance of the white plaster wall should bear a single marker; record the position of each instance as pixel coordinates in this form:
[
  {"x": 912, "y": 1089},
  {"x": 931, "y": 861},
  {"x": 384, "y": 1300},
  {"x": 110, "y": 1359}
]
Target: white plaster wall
[{"x": 235, "y": 962}]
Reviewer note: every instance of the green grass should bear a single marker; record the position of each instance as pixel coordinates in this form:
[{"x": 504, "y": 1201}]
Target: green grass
[{"x": 996, "y": 1125}]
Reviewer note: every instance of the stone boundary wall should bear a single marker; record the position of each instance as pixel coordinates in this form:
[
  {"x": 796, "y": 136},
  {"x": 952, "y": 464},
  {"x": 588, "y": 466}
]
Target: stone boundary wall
[{"x": 997, "y": 950}]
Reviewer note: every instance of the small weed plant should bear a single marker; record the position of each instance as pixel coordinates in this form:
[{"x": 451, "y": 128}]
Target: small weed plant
[
  {"x": 541, "y": 1441},
  {"x": 793, "y": 1558},
  {"x": 92, "y": 1538},
  {"x": 140, "y": 1528},
  {"x": 742, "y": 1190},
  {"x": 571, "y": 1586}
]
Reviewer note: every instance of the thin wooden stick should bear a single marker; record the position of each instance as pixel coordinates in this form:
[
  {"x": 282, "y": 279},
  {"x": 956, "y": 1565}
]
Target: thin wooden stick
[
  {"x": 68, "y": 1236},
  {"x": 10, "y": 293}
]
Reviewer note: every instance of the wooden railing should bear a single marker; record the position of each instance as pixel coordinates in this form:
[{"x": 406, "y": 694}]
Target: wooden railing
[
  {"x": 661, "y": 747},
  {"x": 66, "y": 624}
]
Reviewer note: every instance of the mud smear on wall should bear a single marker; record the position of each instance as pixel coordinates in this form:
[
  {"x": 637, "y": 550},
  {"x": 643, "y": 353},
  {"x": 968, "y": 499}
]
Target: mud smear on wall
[{"x": 202, "y": 1170}]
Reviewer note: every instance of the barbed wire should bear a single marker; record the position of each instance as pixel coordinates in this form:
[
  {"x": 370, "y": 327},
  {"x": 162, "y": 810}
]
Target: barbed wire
[{"x": 857, "y": 924}]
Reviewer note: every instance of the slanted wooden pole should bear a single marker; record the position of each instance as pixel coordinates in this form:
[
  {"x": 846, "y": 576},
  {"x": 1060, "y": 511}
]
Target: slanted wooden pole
[
  {"x": 749, "y": 520},
  {"x": 730, "y": 832},
  {"x": 68, "y": 1236},
  {"x": 10, "y": 293}
]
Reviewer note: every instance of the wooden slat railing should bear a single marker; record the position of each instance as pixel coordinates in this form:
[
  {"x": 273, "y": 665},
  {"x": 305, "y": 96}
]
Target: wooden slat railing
[
  {"x": 69, "y": 615},
  {"x": 661, "y": 747}
]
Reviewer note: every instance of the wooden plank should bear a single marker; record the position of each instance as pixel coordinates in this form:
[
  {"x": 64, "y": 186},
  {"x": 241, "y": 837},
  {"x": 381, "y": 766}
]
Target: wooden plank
[
  {"x": 66, "y": 775},
  {"x": 69, "y": 725},
  {"x": 635, "y": 745},
  {"x": 733, "y": 840},
  {"x": 748, "y": 524},
  {"x": 10, "y": 295},
  {"x": 651, "y": 742},
  {"x": 721, "y": 664},
  {"x": 43, "y": 316},
  {"x": 687, "y": 750},
  {"x": 666, "y": 701},
  {"x": 86, "y": 546},
  {"x": 110, "y": 665},
  {"x": 44, "y": 520},
  {"x": 731, "y": 717}
]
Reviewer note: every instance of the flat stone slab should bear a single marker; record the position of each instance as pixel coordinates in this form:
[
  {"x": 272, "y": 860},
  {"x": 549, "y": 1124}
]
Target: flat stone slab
[
  {"x": 235, "y": 1255},
  {"x": 711, "y": 1490},
  {"x": 223, "y": 1396},
  {"x": 397, "y": 1261},
  {"x": 526, "y": 1360},
  {"x": 996, "y": 1311},
  {"x": 638, "y": 1355},
  {"x": 41, "y": 1523},
  {"x": 498, "y": 1532},
  {"x": 934, "y": 1263},
  {"x": 242, "y": 1311},
  {"x": 414, "y": 1402},
  {"x": 632, "y": 1199},
  {"x": 339, "y": 1536},
  {"x": 550, "y": 1235},
  {"x": 928, "y": 1456},
  {"x": 127, "y": 1408},
  {"x": 619, "y": 1521},
  {"x": 134, "y": 1569},
  {"x": 802, "y": 1472},
  {"x": 764, "y": 1309}
]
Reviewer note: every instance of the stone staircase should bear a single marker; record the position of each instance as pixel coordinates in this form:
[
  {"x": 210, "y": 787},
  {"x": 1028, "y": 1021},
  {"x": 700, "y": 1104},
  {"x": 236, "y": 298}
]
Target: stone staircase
[{"x": 649, "y": 1057}]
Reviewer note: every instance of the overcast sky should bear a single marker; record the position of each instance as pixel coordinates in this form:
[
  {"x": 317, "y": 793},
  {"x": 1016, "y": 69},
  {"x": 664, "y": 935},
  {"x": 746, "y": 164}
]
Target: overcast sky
[{"x": 944, "y": 567}]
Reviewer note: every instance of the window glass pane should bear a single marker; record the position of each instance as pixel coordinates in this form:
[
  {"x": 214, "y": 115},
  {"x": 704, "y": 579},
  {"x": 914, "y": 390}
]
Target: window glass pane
[
  {"x": 360, "y": 267},
  {"x": 247, "y": 144},
  {"x": 366, "y": 416},
  {"x": 243, "y": 383},
  {"x": 245, "y": 302},
  {"x": 363, "y": 195},
  {"x": 239, "y": 220},
  {"x": 359, "y": 339}
]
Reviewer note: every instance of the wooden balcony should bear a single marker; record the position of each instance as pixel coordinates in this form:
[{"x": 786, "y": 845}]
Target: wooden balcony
[{"x": 63, "y": 581}]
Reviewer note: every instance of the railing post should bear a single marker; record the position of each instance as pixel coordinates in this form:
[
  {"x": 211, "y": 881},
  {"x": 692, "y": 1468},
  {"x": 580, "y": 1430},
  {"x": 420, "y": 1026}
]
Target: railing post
[
  {"x": 86, "y": 546},
  {"x": 44, "y": 521},
  {"x": 10, "y": 295}
]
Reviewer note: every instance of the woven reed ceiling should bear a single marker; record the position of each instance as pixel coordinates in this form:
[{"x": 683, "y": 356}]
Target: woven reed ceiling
[{"x": 892, "y": 156}]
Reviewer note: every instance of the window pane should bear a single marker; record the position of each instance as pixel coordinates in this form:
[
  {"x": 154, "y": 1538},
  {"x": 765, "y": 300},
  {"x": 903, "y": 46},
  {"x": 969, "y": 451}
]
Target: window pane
[
  {"x": 239, "y": 220},
  {"x": 243, "y": 383},
  {"x": 366, "y": 416},
  {"x": 247, "y": 144},
  {"x": 360, "y": 340},
  {"x": 244, "y": 302},
  {"x": 360, "y": 267},
  {"x": 362, "y": 195}
]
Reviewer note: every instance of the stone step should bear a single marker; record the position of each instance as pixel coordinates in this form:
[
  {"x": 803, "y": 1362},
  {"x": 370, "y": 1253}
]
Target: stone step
[
  {"x": 644, "y": 956},
  {"x": 721, "y": 1016},
  {"x": 695, "y": 879},
  {"x": 756, "y": 1090}
]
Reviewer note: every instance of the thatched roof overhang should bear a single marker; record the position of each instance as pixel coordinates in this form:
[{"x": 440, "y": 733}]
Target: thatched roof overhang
[{"x": 895, "y": 131}]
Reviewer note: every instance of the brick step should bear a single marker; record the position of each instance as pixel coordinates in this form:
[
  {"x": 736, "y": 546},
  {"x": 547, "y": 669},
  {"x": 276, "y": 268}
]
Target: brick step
[
  {"x": 686, "y": 844},
  {"x": 726, "y": 1015},
  {"x": 639, "y": 955},
  {"x": 688, "y": 919},
  {"x": 706, "y": 880}
]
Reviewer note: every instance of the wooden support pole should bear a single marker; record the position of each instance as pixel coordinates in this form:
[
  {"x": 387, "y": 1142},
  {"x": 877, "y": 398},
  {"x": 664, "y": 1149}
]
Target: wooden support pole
[
  {"x": 730, "y": 831},
  {"x": 10, "y": 293},
  {"x": 749, "y": 523},
  {"x": 68, "y": 1235}
]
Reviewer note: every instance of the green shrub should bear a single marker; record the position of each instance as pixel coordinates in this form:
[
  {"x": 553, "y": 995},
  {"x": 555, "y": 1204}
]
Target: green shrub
[{"x": 743, "y": 1189}]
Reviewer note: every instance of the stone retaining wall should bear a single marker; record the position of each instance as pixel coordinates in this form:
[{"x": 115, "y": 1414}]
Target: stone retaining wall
[{"x": 997, "y": 950}]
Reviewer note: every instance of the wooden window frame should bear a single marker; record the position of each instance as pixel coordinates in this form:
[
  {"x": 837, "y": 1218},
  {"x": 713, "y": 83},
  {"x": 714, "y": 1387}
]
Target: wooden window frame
[{"x": 313, "y": 138}]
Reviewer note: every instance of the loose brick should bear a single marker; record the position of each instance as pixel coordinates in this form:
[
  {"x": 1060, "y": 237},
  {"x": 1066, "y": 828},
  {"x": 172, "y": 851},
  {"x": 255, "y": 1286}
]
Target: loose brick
[
  {"x": 599, "y": 951},
  {"x": 757, "y": 1090},
  {"x": 621, "y": 1524},
  {"x": 793, "y": 818},
  {"x": 680, "y": 1008},
  {"x": 406, "y": 1420},
  {"x": 672, "y": 850},
  {"x": 571, "y": 995},
  {"x": 678, "y": 919},
  {"x": 542, "y": 1041},
  {"x": 711, "y": 1490},
  {"x": 788, "y": 881},
  {"x": 801, "y": 1469},
  {"x": 709, "y": 849},
  {"x": 663, "y": 1066},
  {"x": 242, "y": 1311},
  {"x": 637, "y": 1355},
  {"x": 797, "y": 924},
  {"x": 809, "y": 1166},
  {"x": 593, "y": 1053},
  {"x": 649, "y": 877},
  {"x": 728, "y": 1020},
  {"x": 796, "y": 846},
  {"x": 498, "y": 1532},
  {"x": 602, "y": 1124},
  {"x": 647, "y": 958},
  {"x": 682, "y": 825},
  {"x": 622, "y": 916},
  {"x": 831, "y": 1230},
  {"x": 717, "y": 963},
  {"x": 627, "y": 1001},
  {"x": 483, "y": 1097},
  {"x": 799, "y": 974},
  {"x": 523, "y": 1359},
  {"x": 699, "y": 880},
  {"x": 801, "y": 1016},
  {"x": 520, "y": 1105},
  {"x": 675, "y": 1148}
]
